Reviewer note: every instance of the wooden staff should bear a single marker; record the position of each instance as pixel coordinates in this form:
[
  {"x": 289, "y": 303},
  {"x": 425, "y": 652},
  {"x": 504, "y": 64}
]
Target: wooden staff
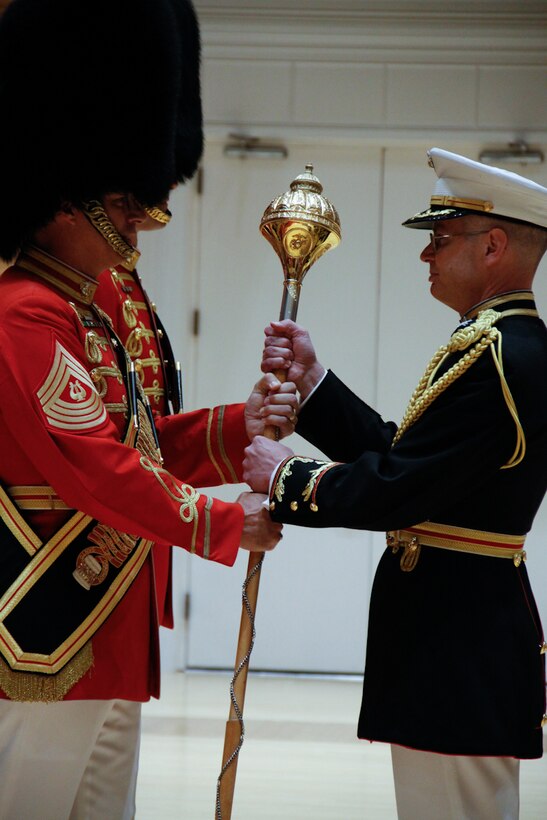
[{"x": 301, "y": 225}]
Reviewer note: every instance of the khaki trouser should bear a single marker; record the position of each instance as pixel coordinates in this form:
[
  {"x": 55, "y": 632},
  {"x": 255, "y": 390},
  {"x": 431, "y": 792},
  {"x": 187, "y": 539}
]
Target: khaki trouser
[
  {"x": 431, "y": 786},
  {"x": 74, "y": 760}
]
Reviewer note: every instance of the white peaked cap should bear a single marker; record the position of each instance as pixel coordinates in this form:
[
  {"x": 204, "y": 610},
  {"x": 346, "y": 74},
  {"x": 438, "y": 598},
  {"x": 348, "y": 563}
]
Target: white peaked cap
[{"x": 467, "y": 187}]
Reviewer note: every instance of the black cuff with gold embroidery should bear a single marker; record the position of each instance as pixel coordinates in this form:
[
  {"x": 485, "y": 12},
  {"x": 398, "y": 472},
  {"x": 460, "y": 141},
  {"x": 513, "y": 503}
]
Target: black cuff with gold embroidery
[{"x": 294, "y": 491}]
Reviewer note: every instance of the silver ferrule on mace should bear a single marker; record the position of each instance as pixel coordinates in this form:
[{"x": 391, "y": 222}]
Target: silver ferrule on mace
[{"x": 301, "y": 225}]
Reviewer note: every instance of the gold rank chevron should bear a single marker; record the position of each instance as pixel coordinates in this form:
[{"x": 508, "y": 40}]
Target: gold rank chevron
[{"x": 68, "y": 397}]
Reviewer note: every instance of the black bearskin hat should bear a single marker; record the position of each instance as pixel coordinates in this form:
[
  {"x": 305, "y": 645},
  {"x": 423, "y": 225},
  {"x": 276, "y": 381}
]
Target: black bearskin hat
[{"x": 96, "y": 96}]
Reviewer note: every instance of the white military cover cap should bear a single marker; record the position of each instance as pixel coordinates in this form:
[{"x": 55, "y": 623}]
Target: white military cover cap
[{"x": 467, "y": 187}]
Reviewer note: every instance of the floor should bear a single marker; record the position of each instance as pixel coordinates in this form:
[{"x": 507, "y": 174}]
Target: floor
[{"x": 300, "y": 758}]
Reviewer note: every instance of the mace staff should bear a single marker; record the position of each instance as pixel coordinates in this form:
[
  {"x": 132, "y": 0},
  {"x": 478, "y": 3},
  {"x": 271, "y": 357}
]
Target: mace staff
[{"x": 301, "y": 225}]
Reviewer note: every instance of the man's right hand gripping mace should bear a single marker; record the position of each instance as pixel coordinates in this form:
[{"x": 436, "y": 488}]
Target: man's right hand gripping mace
[{"x": 301, "y": 225}]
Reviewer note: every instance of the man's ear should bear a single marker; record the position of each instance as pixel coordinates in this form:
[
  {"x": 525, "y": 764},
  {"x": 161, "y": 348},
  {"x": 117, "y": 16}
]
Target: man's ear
[
  {"x": 66, "y": 214},
  {"x": 496, "y": 246}
]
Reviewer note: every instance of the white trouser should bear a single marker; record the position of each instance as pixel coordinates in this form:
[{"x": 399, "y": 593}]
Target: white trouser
[
  {"x": 431, "y": 786},
  {"x": 73, "y": 760}
]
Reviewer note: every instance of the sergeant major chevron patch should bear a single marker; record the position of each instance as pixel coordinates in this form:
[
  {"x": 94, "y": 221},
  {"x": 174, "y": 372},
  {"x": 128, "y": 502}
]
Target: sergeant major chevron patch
[{"x": 68, "y": 397}]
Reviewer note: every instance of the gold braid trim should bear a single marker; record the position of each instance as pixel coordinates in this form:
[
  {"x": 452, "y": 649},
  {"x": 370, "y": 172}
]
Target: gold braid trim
[
  {"x": 97, "y": 215},
  {"x": 209, "y": 443},
  {"x": 285, "y": 471},
  {"x": 315, "y": 475},
  {"x": 159, "y": 215},
  {"x": 94, "y": 345},
  {"x": 134, "y": 342},
  {"x": 483, "y": 335},
  {"x": 129, "y": 313},
  {"x": 34, "y": 687},
  {"x": 99, "y": 374},
  {"x": 115, "y": 406},
  {"x": 146, "y": 443},
  {"x": 185, "y": 495},
  {"x": 221, "y": 447},
  {"x": 156, "y": 392},
  {"x": 520, "y": 447}
]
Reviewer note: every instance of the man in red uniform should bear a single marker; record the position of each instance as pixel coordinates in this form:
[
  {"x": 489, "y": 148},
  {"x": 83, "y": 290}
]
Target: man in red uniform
[{"x": 88, "y": 481}]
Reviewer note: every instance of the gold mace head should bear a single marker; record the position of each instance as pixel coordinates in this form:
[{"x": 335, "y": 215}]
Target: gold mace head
[{"x": 301, "y": 225}]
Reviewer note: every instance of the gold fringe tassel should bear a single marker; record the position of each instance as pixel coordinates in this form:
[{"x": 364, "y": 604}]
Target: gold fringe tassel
[{"x": 36, "y": 687}]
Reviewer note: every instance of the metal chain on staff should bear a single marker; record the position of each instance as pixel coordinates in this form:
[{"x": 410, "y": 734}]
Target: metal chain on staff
[
  {"x": 245, "y": 662},
  {"x": 301, "y": 225}
]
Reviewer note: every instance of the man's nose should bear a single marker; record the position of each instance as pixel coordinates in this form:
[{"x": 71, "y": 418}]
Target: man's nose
[
  {"x": 428, "y": 254},
  {"x": 136, "y": 214}
]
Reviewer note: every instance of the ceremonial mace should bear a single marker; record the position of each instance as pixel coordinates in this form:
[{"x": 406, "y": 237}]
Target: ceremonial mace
[{"x": 301, "y": 225}]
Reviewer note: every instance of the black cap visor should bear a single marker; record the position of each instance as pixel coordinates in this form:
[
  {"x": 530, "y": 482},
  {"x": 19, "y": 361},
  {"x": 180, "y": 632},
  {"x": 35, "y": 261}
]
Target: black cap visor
[{"x": 425, "y": 220}]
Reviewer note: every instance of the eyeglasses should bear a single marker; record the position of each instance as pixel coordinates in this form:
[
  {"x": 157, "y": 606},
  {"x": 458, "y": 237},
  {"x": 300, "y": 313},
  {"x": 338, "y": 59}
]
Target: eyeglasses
[{"x": 434, "y": 238}]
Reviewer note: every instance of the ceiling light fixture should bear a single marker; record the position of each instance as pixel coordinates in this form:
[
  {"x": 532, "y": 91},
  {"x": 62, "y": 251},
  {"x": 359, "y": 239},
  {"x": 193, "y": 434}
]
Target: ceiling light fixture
[
  {"x": 516, "y": 153},
  {"x": 242, "y": 146}
]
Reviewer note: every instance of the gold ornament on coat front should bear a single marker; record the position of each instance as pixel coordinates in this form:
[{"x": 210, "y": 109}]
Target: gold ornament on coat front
[
  {"x": 99, "y": 377},
  {"x": 110, "y": 547},
  {"x": 94, "y": 344},
  {"x": 129, "y": 313}
]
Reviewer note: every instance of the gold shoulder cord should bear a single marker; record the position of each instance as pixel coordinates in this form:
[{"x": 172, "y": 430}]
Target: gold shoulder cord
[{"x": 482, "y": 334}]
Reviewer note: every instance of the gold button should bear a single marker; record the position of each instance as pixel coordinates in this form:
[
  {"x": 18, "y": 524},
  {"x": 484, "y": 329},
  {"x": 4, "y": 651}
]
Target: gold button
[
  {"x": 294, "y": 506},
  {"x": 314, "y": 507},
  {"x": 272, "y": 505},
  {"x": 543, "y": 649},
  {"x": 87, "y": 289},
  {"x": 544, "y": 721}
]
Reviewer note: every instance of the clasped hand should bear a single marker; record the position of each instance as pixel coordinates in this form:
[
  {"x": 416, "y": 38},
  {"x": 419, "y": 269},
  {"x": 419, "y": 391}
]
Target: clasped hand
[
  {"x": 288, "y": 347},
  {"x": 271, "y": 404},
  {"x": 261, "y": 458}
]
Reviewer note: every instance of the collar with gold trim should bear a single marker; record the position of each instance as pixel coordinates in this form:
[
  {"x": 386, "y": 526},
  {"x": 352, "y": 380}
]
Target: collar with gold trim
[
  {"x": 523, "y": 300},
  {"x": 79, "y": 286}
]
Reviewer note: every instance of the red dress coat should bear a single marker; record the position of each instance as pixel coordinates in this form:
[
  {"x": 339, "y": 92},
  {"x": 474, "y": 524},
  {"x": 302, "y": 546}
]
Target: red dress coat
[{"x": 52, "y": 354}]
